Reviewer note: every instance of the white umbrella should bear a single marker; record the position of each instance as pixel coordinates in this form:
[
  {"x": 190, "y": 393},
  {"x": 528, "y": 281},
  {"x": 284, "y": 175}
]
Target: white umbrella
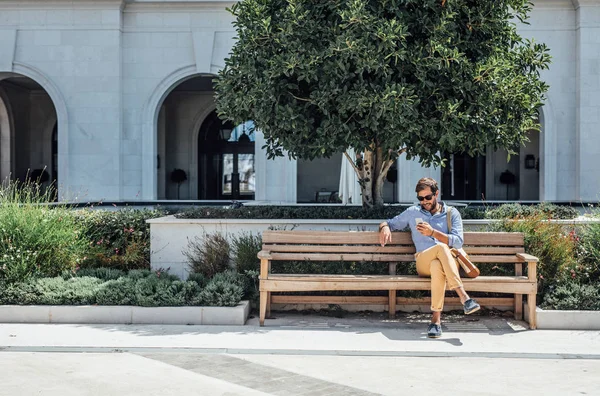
[{"x": 349, "y": 189}]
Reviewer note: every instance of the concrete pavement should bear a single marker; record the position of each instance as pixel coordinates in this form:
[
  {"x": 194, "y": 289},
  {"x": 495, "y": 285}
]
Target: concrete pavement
[{"x": 297, "y": 354}]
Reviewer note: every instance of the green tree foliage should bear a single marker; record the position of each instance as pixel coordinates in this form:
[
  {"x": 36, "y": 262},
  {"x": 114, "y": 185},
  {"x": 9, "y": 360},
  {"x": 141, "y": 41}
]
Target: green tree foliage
[{"x": 385, "y": 77}]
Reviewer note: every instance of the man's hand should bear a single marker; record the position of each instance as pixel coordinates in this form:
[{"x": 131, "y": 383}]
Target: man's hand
[
  {"x": 385, "y": 235},
  {"x": 425, "y": 229}
]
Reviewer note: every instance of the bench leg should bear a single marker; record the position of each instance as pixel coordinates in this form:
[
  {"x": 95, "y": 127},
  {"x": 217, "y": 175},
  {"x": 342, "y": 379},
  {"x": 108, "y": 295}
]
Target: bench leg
[
  {"x": 518, "y": 306},
  {"x": 532, "y": 311},
  {"x": 392, "y": 304},
  {"x": 263, "y": 306},
  {"x": 268, "y": 314}
]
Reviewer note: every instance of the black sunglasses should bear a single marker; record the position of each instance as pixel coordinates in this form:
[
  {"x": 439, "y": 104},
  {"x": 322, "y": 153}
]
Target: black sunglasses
[{"x": 426, "y": 197}]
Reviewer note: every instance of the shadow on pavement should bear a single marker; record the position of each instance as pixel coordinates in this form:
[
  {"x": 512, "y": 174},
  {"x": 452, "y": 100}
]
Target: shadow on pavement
[{"x": 405, "y": 327}]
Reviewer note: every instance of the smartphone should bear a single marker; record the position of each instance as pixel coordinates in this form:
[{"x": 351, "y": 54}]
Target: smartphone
[{"x": 419, "y": 220}]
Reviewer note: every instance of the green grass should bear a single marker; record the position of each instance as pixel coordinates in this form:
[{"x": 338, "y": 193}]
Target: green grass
[{"x": 35, "y": 238}]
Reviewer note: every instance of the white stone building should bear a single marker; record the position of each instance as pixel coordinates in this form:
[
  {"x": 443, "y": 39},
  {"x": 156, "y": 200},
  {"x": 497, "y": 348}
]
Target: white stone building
[{"x": 110, "y": 96}]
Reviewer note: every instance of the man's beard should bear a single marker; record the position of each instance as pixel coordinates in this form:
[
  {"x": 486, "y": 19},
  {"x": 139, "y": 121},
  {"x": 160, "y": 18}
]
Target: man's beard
[{"x": 430, "y": 206}]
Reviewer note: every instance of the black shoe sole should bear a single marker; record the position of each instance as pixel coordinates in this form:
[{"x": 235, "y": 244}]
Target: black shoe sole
[
  {"x": 432, "y": 336},
  {"x": 473, "y": 310}
]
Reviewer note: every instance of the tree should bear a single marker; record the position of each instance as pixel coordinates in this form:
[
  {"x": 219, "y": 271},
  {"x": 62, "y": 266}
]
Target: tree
[{"x": 385, "y": 77}]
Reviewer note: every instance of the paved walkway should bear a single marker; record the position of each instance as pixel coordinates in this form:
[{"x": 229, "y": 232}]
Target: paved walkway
[{"x": 299, "y": 355}]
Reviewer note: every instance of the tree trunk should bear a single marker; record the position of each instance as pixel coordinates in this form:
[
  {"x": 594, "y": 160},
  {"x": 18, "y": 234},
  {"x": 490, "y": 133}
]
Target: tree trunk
[{"x": 371, "y": 171}]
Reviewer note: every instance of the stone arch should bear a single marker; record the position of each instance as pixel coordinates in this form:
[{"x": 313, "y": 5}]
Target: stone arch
[
  {"x": 149, "y": 125},
  {"x": 61, "y": 114}
]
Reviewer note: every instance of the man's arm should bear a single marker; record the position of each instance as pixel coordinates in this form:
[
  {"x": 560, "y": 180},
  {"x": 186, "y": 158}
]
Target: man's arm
[
  {"x": 385, "y": 234},
  {"x": 456, "y": 238},
  {"x": 385, "y": 228}
]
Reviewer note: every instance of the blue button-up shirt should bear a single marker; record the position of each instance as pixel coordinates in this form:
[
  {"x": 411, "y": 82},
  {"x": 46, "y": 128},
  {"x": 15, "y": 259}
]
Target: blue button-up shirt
[{"x": 438, "y": 221}]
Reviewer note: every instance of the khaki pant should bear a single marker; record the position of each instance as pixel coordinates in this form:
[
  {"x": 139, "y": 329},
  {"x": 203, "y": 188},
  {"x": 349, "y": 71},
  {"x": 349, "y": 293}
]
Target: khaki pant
[{"x": 438, "y": 263}]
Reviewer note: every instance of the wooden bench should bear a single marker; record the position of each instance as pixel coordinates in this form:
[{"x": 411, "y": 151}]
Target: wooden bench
[{"x": 484, "y": 248}]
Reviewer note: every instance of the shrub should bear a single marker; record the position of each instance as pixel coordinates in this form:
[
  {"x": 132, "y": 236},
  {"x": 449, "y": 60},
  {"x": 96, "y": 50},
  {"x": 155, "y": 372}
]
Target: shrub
[
  {"x": 588, "y": 252},
  {"x": 52, "y": 291},
  {"x": 574, "y": 295},
  {"x": 117, "y": 239},
  {"x": 117, "y": 292},
  {"x": 208, "y": 255},
  {"x": 354, "y": 212},
  {"x": 291, "y": 212},
  {"x": 100, "y": 273},
  {"x": 142, "y": 288},
  {"x": 550, "y": 242},
  {"x": 139, "y": 273},
  {"x": 245, "y": 248},
  {"x": 471, "y": 213},
  {"x": 20, "y": 293},
  {"x": 153, "y": 291},
  {"x": 36, "y": 239},
  {"x": 198, "y": 278},
  {"x": 74, "y": 291},
  {"x": 191, "y": 293},
  {"x": 545, "y": 210},
  {"x": 225, "y": 289}
]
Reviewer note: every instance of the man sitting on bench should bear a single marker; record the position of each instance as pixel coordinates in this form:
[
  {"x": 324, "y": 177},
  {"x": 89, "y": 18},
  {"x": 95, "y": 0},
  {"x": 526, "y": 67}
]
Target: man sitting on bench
[{"x": 429, "y": 230}]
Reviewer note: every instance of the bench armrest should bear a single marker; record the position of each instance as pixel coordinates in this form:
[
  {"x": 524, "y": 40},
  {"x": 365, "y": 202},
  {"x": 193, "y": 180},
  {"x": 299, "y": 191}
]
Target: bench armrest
[
  {"x": 264, "y": 254},
  {"x": 531, "y": 265},
  {"x": 265, "y": 263},
  {"x": 527, "y": 257}
]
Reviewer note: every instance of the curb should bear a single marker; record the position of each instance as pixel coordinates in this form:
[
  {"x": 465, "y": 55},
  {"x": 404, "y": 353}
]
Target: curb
[{"x": 126, "y": 314}]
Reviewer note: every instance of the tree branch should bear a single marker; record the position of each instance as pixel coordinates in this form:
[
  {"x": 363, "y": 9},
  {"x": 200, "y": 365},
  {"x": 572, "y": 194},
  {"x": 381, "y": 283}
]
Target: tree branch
[
  {"x": 352, "y": 163},
  {"x": 299, "y": 98}
]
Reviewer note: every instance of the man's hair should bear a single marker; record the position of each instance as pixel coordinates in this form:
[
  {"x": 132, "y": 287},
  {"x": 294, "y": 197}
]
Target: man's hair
[{"x": 425, "y": 182}]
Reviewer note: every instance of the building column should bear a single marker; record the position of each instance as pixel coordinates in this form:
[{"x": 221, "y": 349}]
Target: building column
[{"x": 588, "y": 98}]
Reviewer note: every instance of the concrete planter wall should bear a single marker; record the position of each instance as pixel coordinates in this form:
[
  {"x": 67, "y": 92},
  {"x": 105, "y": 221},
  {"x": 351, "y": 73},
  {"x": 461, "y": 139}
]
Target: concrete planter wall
[
  {"x": 125, "y": 314},
  {"x": 565, "y": 320}
]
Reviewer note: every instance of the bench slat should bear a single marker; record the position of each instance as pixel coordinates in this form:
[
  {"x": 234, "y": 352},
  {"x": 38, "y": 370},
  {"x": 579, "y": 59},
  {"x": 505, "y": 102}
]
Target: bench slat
[
  {"x": 497, "y": 259},
  {"x": 341, "y": 257},
  {"x": 493, "y": 250},
  {"x": 493, "y": 238},
  {"x": 339, "y": 249},
  {"x": 378, "y": 249},
  {"x": 385, "y": 278},
  {"x": 483, "y": 283},
  {"x": 333, "y": 237},
  {"x": 383, "y": 300},
  {"x": 372, "y": 238}
]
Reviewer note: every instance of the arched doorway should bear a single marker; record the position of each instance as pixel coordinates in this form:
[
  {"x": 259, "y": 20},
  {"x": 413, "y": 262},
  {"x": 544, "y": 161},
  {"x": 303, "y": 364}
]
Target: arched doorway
[
  {"x": 197, "y": 155},
  {"x": 27, "y": 118}
]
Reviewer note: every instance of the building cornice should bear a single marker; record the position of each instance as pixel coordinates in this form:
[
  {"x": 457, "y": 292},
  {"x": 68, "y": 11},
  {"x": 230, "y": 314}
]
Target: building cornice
[
  {"x": 177, "y": 5},
  {"x": 585, "y": 3},
  {"x": 552, "y": 4},
  {"x": 61, "y": 4}
]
